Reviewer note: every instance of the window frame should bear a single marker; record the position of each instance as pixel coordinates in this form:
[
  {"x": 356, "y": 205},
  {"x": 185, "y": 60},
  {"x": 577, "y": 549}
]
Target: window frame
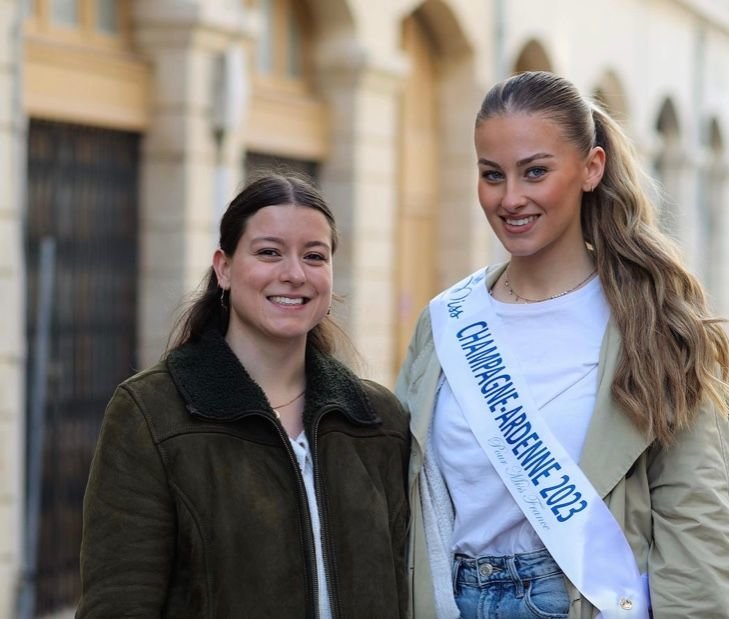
[
  {"x": 39, "y": 24},
  {"x": 278, "y": 77},
  {"x": 286, "y": 116}
]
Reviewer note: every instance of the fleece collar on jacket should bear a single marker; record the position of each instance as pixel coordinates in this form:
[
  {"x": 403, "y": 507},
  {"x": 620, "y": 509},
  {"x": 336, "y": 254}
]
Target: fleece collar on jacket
[{"x": 215, "y": 385}]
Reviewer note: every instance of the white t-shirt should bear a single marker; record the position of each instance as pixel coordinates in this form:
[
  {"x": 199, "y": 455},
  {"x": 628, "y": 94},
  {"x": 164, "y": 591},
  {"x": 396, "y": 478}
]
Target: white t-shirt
[
  {"x": 556, "y": 346},
  {"x": 300, "y": 445}
]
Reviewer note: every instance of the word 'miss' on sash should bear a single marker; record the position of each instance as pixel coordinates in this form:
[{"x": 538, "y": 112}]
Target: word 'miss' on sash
[{"x": 556, "y": 497}]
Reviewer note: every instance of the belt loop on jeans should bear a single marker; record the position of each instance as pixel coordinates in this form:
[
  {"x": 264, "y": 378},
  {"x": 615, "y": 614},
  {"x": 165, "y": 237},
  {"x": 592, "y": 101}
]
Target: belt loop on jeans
[
  {"x": 456, "y": 568},
  {"x": 514, "y": 573}
]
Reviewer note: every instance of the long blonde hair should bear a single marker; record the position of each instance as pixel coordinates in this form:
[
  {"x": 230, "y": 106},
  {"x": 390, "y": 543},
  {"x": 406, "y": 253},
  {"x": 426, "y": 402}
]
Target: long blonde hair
[{"x": 675, "y": 354}]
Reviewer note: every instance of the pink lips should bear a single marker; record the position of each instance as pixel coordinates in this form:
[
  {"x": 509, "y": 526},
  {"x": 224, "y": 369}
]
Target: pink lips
[
  {"x": 519, "y": 224},
  {"x": 287, "y": 302}
]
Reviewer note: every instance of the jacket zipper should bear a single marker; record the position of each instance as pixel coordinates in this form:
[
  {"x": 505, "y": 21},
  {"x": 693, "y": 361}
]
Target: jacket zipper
[
  {"x": 320, "y": 499},
  {"x": 323, "y": 520},
  {"x": 309, "y": 549}
]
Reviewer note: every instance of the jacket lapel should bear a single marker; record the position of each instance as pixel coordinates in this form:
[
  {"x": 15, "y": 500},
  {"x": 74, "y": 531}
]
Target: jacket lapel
[
  {"x": 422, "y": 392},
  {"x": 613, "y": 443}
]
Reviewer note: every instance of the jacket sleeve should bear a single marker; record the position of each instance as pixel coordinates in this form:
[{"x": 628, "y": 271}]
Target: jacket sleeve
[
  {"x": 390, "y": 408},
  {"x": 404, "y": 378},
  {"x": 128, "y": 521},
  {"x": 688, "y": 565}
]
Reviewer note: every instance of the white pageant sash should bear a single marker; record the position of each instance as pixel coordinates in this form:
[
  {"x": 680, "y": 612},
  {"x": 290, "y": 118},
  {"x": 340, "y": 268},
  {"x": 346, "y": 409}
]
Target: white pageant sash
[{"x": 556, "y": 497}]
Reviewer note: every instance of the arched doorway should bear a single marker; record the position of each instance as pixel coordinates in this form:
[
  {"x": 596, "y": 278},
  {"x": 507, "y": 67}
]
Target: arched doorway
[
  {"x": 610, "y": 94},
  {"x": 416, "y": 237},
  {"x": 533, "y": 57},
  {"x": 85, "y": 94}
]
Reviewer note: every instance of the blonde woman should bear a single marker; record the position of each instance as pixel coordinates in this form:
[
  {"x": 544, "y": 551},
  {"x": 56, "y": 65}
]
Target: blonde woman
[{"x": 569, "y": 407}]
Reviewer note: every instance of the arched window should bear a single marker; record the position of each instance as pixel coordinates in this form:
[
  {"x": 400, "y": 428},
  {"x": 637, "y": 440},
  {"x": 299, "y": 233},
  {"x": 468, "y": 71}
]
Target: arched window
[
  {"x": 533, "y": 57},
  {"x": 715, "y": 215},
  {"x": 667, "y": 165},
  {"x": 611, "y": 95}
]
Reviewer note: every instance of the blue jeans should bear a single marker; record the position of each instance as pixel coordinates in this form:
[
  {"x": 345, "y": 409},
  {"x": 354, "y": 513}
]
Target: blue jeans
[{"x": 523, "y": 586}]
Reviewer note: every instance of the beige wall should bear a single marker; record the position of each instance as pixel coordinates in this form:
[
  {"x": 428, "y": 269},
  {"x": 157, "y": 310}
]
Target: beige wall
[{"x": 12, "y": 326}]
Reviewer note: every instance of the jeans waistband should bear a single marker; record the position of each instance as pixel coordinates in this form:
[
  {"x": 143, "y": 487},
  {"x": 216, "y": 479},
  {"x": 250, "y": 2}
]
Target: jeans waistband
[{"x": 517, "y": 567}]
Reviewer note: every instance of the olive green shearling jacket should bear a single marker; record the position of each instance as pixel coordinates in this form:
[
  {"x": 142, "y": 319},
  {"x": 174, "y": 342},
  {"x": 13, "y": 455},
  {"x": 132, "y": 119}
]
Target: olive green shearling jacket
[{"x": 195, "y": 506}]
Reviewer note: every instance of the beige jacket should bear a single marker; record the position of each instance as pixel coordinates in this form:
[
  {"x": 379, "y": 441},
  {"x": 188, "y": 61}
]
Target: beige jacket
[{"x": 673, "y": 504}]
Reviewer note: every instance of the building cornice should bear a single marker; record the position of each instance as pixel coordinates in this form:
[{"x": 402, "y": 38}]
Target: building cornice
[
  {"x": 168, "y": 22},
  {"x": 715, "y": 12}
]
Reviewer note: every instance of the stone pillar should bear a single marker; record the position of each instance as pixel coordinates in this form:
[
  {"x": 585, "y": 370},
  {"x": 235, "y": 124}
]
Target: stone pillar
[
  {"x": 12, "y": 325},
  {"x": 359, "y": 180},
  {"x": 190, "y": 45}
]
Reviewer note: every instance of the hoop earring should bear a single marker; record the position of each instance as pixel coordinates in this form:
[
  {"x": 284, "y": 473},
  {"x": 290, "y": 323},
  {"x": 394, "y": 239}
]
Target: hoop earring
[{"x": 223, "y": 304}]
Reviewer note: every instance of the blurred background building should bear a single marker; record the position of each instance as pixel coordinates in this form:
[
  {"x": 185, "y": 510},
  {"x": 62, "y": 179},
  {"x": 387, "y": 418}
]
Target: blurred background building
[{"x": 126, "y": 126}]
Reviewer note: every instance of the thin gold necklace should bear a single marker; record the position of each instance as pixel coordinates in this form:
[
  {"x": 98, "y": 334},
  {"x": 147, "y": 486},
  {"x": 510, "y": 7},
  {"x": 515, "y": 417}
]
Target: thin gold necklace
[
  {"x": 275, "y": 408},
  {"x": 517, "y": 296}
]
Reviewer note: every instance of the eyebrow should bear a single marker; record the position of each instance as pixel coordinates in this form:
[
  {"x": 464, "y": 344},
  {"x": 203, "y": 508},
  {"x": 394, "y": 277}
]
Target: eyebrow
[
  {"x": 280, "y": 241},
  {"x": 521, "y": 162}
]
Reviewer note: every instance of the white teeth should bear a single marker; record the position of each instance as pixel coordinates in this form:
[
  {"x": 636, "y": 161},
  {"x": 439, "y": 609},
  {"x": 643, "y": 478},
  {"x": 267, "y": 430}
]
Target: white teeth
[
  {"x": 520, "y": 222},
  {"x": 287, "y": 300}
]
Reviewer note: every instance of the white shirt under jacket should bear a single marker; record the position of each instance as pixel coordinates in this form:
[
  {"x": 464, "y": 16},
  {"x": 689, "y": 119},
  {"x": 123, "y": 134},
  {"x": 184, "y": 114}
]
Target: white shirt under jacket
[{"x": 556, "y": 345}]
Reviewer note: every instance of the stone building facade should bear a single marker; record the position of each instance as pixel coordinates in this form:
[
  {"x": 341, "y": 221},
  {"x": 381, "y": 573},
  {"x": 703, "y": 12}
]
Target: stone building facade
[{"x": 133, "y": 123}]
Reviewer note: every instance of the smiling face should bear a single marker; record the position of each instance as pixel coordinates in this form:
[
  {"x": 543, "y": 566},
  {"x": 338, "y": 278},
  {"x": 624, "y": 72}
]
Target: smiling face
[
  {"x": 279, "y": 277},
  {"x": 531, "y": 181}
]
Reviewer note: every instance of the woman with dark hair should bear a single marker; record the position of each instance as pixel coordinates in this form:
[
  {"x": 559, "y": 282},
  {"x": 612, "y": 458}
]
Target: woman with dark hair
[
  {"x": 569, "y": 407},
  {"x": 250, "y": 474}
]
